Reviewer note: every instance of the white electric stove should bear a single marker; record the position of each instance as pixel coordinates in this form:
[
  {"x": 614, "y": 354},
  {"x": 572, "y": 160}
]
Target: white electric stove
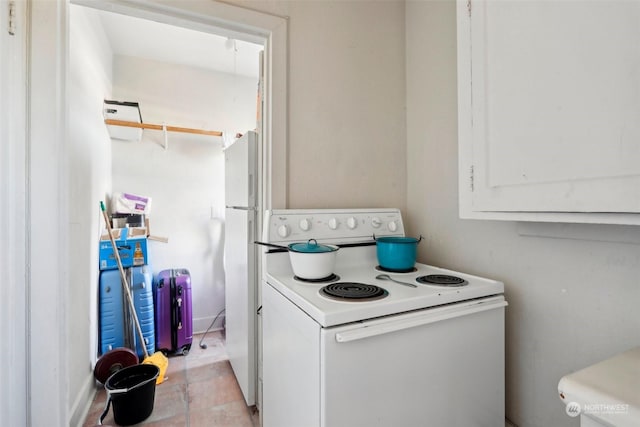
[{"x": 402, "y": 355}]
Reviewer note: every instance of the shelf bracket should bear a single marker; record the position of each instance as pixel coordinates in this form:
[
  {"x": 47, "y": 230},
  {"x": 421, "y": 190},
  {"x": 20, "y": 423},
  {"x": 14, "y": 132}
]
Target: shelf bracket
[{"x": 166, "y": 136}]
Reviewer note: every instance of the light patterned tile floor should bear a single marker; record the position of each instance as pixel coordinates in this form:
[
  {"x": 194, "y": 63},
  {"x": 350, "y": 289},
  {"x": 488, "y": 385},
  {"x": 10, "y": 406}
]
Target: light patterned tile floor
[{"x": 200, "y": 390}]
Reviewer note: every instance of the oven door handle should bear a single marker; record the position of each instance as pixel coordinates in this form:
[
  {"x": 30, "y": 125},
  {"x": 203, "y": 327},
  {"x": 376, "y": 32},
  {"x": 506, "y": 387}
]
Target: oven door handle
[{"x": 398, "y": 325}]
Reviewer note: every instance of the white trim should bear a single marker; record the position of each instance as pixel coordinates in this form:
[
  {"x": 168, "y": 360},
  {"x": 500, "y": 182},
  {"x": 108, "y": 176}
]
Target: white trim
[
  {"x": 570, "y": 217},
  {"x": 276, "y": 118},
  {"x": 13, "y": 258},
  {"x": 79, "y": 409},
  {"x": 201, "y": 324},
  {"x": 47, "y": 215},
  {"x": 206, "y": 16}
]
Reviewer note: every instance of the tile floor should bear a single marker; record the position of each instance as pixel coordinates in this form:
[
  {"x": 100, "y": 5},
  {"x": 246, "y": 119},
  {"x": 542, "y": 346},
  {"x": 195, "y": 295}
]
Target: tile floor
[{"x": 200, "y": 390}]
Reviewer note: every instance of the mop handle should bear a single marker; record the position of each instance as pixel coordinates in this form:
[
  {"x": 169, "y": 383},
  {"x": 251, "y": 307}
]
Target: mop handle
[{"x": 123, "y": 276}]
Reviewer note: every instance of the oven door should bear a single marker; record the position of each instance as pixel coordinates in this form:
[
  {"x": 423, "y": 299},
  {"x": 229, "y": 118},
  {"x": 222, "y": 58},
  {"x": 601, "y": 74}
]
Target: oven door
[{"x": 442, "y": 367}]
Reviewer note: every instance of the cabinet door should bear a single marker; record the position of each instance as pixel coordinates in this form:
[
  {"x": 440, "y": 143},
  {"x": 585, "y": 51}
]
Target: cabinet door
[{"x": 549, "y": 106}]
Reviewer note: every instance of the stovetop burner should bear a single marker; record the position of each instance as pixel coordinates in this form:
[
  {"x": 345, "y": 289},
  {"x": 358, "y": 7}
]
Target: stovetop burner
[
  {"x": 442, "y": 280},
  {"x": 332, "y": 278},
  {"x": 390, "y": 270},
  {"x": 353, "y": 291}
]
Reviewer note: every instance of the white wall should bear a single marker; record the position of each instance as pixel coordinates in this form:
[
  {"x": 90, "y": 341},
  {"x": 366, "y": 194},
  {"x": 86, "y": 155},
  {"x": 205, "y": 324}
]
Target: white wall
[
  {"x": 185, "y": 181},
  {"x": 346, "y": 102},
  {"x": 573, "y": 295},
  {"x": 89, "y": 151}
]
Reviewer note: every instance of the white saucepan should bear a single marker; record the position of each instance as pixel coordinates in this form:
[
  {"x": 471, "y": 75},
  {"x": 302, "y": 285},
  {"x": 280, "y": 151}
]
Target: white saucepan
[{"x": 310, "y": 260}]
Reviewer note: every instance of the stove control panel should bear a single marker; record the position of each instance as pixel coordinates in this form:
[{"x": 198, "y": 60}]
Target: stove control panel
[{"x": 331, "y": 225}]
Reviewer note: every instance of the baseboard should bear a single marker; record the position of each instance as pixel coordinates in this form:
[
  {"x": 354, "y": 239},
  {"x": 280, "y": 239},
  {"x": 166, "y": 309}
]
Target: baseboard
[
  {"x": 82, "y": 403},
  {"x": 201, "y": 324}
]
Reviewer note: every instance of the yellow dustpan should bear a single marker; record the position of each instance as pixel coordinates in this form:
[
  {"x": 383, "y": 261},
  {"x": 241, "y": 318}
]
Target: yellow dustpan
[
  {"x": 161, "y": 361},
  {"x": 158, "y": 359}
]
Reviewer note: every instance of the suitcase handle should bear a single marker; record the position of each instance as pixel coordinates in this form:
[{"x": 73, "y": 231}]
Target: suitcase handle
[{"x": 179, "y": 302}]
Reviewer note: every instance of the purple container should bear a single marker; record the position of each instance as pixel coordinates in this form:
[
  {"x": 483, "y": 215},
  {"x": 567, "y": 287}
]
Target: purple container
[{"x": 174, "y": 321}]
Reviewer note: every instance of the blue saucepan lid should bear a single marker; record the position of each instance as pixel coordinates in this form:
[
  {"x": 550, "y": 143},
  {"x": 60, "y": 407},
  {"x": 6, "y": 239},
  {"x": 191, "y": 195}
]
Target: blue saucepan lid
[{"x": 311, "y": 247}]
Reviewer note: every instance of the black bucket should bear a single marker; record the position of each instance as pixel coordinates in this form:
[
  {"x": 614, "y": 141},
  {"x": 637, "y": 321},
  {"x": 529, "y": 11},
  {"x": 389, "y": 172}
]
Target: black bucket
[{"x": 132, "y": 391}]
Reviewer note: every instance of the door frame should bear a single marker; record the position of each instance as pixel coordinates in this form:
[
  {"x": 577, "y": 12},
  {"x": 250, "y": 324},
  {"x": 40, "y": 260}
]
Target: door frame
[
  {"x": 13, "y": 221},
  {"x": 47, "y": 399}
]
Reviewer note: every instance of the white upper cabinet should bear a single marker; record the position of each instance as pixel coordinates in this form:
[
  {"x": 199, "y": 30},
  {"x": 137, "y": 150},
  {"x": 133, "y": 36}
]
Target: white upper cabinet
[{"x": 549, "y": 110}]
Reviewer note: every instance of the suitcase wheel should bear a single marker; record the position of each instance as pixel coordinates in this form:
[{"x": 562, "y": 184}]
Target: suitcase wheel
[{"x": 185, "y": 349}]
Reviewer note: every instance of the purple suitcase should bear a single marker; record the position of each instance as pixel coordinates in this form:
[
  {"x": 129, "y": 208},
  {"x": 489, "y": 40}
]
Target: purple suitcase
[{"x": 173, "y": 318}]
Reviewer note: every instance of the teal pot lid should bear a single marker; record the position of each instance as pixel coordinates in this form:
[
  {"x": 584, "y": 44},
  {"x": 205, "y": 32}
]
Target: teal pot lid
[{"x": 311, "y": 247}]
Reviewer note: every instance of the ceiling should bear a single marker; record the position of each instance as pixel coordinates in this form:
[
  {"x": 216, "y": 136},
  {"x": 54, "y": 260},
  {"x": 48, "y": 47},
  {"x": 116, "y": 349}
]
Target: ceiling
[{"x": 162, "y": 42}]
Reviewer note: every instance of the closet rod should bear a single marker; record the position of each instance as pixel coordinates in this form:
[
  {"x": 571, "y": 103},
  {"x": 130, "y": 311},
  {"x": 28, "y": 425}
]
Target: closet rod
[{"x": 160, "y": 127}]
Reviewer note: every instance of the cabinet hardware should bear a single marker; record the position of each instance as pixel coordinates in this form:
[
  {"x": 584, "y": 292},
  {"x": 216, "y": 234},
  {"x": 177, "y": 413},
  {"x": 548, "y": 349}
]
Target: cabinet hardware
[{"x": 12, "y": 18}]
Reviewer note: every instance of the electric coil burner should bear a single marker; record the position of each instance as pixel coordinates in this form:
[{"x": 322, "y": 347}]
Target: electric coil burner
[
  {"x": 352, "y": 291},
  {"x": 442, "y": 280},
  {"x": 331, "y": 278},
  {"x": 391, "y": 270}
]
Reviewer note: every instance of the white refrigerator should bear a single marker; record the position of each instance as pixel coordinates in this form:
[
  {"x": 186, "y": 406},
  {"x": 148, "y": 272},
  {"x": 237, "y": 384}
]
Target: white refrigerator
[{"x": 240, "y": 256}]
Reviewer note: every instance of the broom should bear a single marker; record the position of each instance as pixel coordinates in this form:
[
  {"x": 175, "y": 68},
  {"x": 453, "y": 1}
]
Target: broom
[{"x": 158, "y": 359}]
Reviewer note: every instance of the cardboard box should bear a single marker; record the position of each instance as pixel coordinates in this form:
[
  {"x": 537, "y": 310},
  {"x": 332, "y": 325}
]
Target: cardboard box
[
  {"x": 151, "y": 236},
  {"x": 125, "y": 111},
  {"x": 137, "y": 232},
  {"x": 127, "y": 203},
  {"x": 132, "y": 247},
  {"x": 119, "y": 220},
  {"x": 139, "y": 245}
]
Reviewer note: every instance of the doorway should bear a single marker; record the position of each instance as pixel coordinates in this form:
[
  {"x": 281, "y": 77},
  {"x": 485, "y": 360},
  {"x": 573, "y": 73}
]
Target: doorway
[
  {"x": 67, "y": 375},
  {"x": 181, "y": 78}
]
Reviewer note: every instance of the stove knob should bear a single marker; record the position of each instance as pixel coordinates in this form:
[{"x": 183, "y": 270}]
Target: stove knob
[
  {"x": 375, "y": 222},
  {"x": 392, "y": 226},
  {"x": 283, "y": 230},
  {"x": 305, "y": 225},
  {"x": 352, "y": 223},
  {"x": 333, "y": 223}
]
